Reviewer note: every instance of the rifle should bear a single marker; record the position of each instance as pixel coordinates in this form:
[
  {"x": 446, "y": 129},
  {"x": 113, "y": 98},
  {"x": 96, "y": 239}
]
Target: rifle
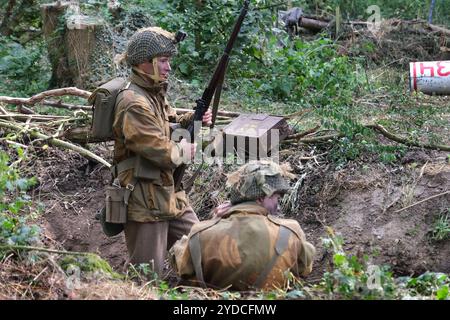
[{"x": 204, "y": 102}]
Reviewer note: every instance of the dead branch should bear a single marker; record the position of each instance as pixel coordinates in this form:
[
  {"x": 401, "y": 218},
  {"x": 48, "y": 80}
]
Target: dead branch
[
  {"x": 61, "y": 105},
  {"x": 80, "y": 135},
  {"x": 422, "y": 201},
  {"x": 70, "y": 91},
  {"x": 34, "y": 117},
  {"x": 57, "y": 142},
  {"x": 312, "y": 140},
  {"x": 24, "y": 110},
  {"x": 439, "y": 29},
  {"x": 300, "y": 135},
  {"x": 219, "y": 113},
  {"x": 300, "y": 113},
  {"x": 3, "y": 111},
  {"x": 30, "y": 248},
  {"x": 406, "y": 141}
]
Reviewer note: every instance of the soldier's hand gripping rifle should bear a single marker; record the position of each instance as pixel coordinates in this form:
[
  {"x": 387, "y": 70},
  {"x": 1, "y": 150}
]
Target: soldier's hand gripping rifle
[{"x": 204, "y": 102}]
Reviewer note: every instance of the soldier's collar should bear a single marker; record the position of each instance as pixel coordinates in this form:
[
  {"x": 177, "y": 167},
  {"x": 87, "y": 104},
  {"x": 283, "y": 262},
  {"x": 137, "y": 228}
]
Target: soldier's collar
[
  {"x": 248, "y": 206},
  {"x": 147, "y": 83}
]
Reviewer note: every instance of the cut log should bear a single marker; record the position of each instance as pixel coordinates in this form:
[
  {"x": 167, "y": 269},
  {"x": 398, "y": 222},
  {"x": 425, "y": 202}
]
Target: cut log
[
  {"x": 80, "y": 47},
  {"x": 52, "y": 16}
]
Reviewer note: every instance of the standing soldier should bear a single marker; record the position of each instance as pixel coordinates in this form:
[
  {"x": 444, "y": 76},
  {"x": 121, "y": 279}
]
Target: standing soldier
[
  {"x": 246, "y": 246},
  {"x": 144, "y": 155}
]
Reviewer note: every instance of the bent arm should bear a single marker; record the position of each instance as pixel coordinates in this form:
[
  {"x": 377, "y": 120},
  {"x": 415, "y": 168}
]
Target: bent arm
[{"x": 144, "y": 136}]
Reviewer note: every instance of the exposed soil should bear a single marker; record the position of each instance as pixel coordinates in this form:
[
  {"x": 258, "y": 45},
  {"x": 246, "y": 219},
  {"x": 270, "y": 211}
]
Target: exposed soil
[
  {"x": 72, "y": 190},
  {"x": 364, "y": 208}
]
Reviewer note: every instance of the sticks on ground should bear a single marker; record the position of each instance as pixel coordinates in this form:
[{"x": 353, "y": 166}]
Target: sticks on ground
[
  {"x": 57, "y": 142},
  {"x": 405, "y": 141}
]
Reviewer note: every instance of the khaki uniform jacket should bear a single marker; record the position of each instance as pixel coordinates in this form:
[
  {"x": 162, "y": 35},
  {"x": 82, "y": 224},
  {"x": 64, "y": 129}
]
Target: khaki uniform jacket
[
  {"x": 236, "y": 249},
  {"x": 141, "y": 128}
]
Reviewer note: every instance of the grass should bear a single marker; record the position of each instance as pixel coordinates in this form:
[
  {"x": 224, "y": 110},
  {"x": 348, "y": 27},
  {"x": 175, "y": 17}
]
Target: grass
[{"x": 441, "y": 227}]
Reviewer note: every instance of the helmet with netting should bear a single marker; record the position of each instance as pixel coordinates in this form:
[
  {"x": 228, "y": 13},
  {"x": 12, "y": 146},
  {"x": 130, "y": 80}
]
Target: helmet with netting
[
  {"x": 148, "y": 43},
  {"x": 258, "y": 179}
]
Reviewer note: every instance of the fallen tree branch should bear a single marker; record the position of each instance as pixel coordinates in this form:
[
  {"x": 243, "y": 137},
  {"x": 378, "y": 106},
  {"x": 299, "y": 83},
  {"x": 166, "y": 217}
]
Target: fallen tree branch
[
  {"x": 422, "y": 201},
  {"x": 219, "y": 113},
  {"x": 439, "y": 29},
  {"x": 300, "y": 113},
  {"x": 321, "y": 138},
  {"x": 31, "y": 248},
  {"x": 26, "y": 117},
  {"x": 406, "y": 141},
  {"x": 70, "y": 91},
  {"x": 24, "y": 110},
  {"x": 62, "y": 105},
  {"x": 58, "y": 143},
  {"x": 300, "y": 135}
]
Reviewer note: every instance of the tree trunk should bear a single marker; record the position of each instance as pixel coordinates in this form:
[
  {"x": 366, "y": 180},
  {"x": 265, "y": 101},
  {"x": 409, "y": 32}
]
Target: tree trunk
[
  {"x": 5, "y": 28},
  {"x": 52, "y": 18}
]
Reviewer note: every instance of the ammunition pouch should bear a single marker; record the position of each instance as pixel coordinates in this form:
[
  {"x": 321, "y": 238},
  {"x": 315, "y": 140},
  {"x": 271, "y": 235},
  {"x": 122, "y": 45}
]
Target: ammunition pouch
[
  {"x": 117, "y": 197},
  {"x": 116, "y": 204}
]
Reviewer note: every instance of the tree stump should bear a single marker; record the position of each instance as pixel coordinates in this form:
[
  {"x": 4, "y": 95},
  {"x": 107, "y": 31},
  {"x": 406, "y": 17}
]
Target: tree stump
[
  {"x": 53, "y": 28},
  {"x": 80, "y": 47}
]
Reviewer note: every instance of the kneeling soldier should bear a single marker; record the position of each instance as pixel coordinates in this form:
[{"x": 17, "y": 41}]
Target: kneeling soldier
[{"x": 245, "y": 246}]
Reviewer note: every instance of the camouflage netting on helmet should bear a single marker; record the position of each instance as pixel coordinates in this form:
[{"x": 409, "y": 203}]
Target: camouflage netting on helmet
[
  {"x": 148, "y": 43},
  {"x": 258, "y": 179}
]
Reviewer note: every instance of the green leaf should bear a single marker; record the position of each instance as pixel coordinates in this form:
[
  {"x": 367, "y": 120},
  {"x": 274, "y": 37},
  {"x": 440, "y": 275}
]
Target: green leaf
[
  {"x": 339, "y": 259},
  {"x": 442, "y": 293},
  {"x": 184, "y": 68}
]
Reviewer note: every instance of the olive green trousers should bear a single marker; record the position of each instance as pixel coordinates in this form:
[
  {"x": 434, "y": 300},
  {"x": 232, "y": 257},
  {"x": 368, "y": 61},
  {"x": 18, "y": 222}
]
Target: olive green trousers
[{"x": 149, "y": 242}]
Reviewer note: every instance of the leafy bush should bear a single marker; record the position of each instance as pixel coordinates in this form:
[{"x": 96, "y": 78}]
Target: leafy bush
[
  {"x": 24, "y": 69},
  {"x": 353, "y": 277},
  {"x": 13, "y": 203}
]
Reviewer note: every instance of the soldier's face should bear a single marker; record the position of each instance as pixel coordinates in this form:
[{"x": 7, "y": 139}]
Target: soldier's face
[
  {"x": 271, "y": 203},
  {"x": 163, "y": 65}
]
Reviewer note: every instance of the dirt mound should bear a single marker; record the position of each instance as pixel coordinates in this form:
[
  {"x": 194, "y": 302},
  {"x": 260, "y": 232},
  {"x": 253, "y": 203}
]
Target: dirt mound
[
  {"x": 378, "y": 211},
  {"x": 71, "y": 189}
]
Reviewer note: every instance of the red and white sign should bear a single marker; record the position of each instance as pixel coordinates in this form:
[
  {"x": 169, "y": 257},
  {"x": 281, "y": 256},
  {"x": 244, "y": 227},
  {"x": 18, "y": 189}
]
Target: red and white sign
[{"x": 430, "y": 77}]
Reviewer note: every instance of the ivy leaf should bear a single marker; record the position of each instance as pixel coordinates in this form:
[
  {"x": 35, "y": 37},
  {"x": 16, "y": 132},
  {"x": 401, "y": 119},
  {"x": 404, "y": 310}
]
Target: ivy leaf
[
  {"x": 184, "y": 68},
  {"x": 442, "y": 293}
]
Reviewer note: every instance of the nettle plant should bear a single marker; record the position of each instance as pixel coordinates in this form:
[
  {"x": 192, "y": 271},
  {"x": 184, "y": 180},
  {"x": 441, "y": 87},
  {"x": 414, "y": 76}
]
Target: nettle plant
[
  {"x": 15, "y": 205},
  {"x": 352, "y": 276}
]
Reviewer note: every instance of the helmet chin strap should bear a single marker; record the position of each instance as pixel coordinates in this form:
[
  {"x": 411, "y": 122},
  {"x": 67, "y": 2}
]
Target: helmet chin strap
[{"x": 155, "y": 76}]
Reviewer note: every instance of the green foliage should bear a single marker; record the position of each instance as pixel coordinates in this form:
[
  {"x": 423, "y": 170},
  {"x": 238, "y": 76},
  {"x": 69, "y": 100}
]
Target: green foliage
[
  {"x": 88, "y": 263},
  {"x": 14, "y": 203},
  {"x": 349, "y": 149},
  {"x": 404, "y": 9},
  {"x": 352, "y": 277},
  {"x": 428, "y": 284},
  {"x": 309, "y": 73},
  {"x": 24, "y": 69},
  {"x": 441, "y": 227}
]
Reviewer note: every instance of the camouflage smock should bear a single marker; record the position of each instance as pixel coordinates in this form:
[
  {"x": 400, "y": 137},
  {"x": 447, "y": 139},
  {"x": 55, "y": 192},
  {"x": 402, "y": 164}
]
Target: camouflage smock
[
  {"x": 235, "y": 249},
  {"x": 141, "y": 127}
]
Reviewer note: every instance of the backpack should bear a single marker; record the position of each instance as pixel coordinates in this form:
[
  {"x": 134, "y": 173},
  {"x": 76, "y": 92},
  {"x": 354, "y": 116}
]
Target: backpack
[{"x": 103, "y": 101}]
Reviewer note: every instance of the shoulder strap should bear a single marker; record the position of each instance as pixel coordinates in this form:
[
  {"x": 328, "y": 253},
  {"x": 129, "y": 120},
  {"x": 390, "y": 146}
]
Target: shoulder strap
[
  {"x": 280, "y": 247},
  {"x": 196, "y": 255},
  {"x": 196, "y": 249}
]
